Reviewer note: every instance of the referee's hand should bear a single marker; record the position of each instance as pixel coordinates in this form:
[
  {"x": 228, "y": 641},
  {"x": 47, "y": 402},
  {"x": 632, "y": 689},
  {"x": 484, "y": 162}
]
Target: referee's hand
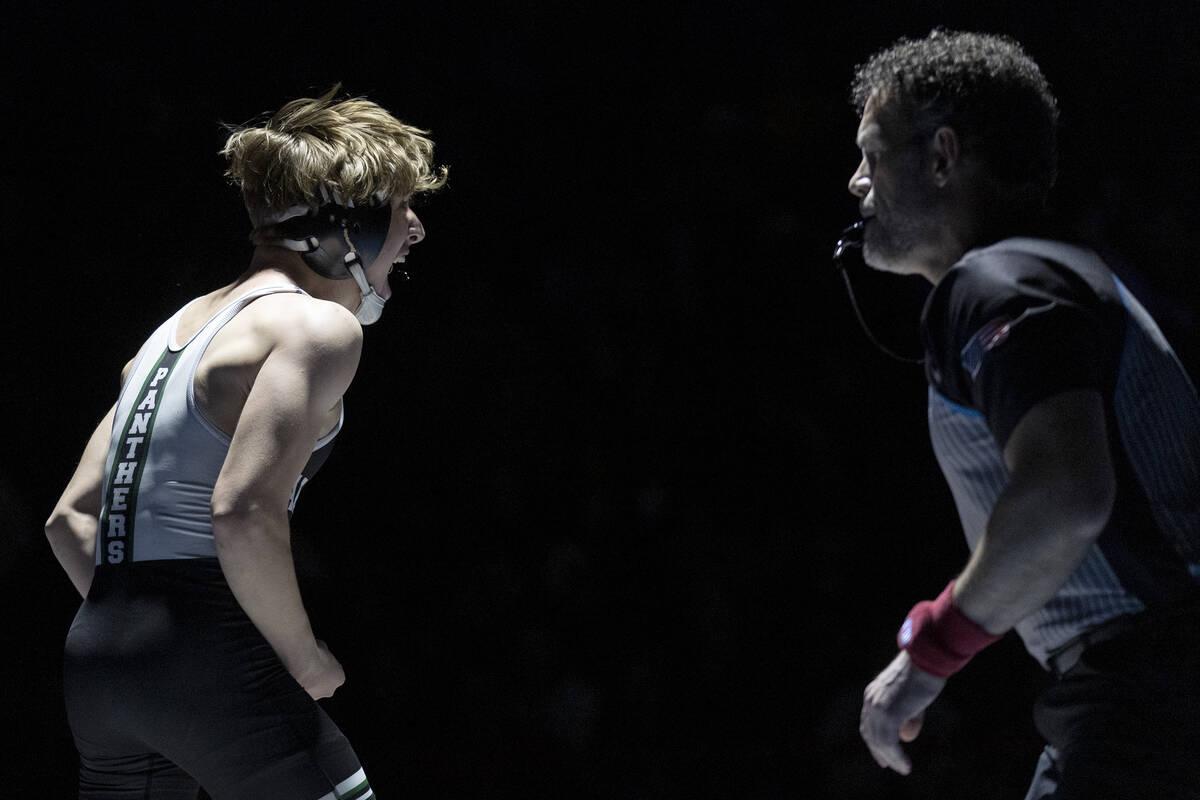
[{"x": 893, "y": 709}]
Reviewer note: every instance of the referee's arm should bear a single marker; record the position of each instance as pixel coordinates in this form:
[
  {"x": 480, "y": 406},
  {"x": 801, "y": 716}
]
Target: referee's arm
[{"x": 1057, "y": 501}]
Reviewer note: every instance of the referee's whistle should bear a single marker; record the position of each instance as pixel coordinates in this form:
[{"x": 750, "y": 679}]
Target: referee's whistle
[{"x": 851, "y": 237}]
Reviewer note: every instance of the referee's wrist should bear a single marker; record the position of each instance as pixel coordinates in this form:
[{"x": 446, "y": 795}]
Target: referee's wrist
[{"x": 939, "y": 638}]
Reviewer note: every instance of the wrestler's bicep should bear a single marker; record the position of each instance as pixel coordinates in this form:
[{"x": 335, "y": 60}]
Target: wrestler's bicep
[{"x": 286, "y": 411}]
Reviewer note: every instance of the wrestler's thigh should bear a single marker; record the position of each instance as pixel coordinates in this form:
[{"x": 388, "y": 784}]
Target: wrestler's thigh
[
  {"x": 272, "y": 740},
  {"x": 134, "y": 777}
]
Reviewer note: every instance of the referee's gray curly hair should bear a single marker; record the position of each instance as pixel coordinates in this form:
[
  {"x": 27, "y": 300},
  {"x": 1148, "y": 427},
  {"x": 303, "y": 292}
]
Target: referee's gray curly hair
[
  {"x": 352, "y": 146},
  {"x": 987, "y": 89}
]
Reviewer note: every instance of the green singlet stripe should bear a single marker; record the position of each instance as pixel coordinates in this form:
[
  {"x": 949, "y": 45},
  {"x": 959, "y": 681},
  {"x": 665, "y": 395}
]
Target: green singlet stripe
[
  {"x": 357, "y": 791},
  {"x": 123, "y": 431},
  {"x": 131, "y": 496}
]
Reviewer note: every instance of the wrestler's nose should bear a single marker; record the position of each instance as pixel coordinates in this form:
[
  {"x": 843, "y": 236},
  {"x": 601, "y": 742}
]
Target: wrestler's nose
[{"x": 416, "y": 230}]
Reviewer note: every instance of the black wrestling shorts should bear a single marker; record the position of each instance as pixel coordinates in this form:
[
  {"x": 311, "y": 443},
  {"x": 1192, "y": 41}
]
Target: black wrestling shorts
[{"x": 170, "y": 687}]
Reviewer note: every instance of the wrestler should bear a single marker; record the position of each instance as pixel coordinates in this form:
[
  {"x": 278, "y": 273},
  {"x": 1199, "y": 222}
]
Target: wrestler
[{"x": 192, "y": 661}]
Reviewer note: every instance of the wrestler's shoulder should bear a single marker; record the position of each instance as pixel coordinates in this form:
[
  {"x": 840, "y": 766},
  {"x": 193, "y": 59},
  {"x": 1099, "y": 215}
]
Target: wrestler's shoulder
[{"x": 300, "y": 319}]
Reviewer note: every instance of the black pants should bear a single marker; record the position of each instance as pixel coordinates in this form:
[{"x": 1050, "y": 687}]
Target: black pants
[
  {"x": 1124, "y": 722},
  {"x": 169, "y": 686}
]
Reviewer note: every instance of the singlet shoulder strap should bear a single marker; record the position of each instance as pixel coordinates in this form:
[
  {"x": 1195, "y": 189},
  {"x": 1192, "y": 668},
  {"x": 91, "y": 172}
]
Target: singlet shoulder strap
[
  {"x": 225, "y": 313},
  {"x": 192, "y": 351}
]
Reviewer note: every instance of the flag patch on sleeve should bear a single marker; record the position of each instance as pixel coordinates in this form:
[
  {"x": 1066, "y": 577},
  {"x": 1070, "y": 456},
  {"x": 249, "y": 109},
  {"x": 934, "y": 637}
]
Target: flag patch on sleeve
[{"x": 993, "y": 334}]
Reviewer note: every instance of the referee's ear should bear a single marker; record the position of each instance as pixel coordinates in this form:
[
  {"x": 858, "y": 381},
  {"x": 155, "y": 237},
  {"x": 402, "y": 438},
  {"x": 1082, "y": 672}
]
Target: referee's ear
[{"x": 947, "y": 156}]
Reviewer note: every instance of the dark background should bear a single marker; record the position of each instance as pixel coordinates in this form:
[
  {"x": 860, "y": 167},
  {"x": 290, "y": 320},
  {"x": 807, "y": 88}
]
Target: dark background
[{"x": 625, "y": 505}]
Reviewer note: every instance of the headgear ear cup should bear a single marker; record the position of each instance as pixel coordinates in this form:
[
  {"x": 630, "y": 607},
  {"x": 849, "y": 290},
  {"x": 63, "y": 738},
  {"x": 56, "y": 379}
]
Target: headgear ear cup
[
  {"x": 336, "y": 241},
  {"x": 325, "y": 237},
  {"x": 368, "y": 231}
]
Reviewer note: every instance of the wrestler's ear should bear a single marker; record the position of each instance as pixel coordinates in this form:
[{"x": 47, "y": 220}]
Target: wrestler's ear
[{"x": 946, "y": 150}]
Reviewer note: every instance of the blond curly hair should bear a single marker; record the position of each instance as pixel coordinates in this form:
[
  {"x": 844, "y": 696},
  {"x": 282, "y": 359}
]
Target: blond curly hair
[{"x": 352, "y": 147}]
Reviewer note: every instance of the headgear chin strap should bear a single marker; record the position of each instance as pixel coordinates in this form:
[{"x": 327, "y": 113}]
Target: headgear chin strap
[
  {"x": 370, "y": 308},
  {"x": 336, "y": 240}
]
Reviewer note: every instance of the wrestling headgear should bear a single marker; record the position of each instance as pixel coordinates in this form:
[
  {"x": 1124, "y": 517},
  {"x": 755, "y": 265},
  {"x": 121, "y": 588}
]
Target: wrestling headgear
[{"x": 337, "y": 240}]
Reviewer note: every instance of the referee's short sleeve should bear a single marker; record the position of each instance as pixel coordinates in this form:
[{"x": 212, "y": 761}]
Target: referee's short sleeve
[{"x": 1018, "y": 331}]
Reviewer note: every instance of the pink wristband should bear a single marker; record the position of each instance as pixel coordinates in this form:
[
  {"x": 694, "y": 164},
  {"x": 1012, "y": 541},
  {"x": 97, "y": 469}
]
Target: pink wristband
[{"x": 939, "y": 638}]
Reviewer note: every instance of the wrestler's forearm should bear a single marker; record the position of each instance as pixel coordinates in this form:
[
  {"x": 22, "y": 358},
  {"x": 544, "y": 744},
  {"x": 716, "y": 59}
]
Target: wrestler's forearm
[
  {"x": 72, "y": 537},
  {"x": 71, "y": 528},
  {"x": 254, "y": 549}
]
